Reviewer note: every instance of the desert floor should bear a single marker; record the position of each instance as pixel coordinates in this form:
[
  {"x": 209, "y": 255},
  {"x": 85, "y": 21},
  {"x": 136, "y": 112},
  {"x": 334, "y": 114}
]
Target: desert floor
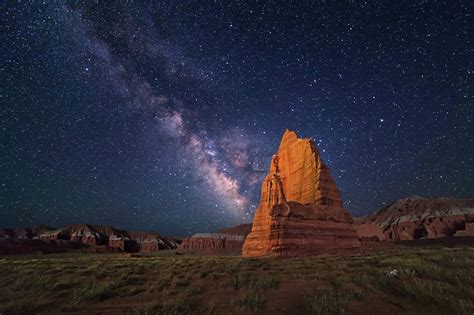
[{"x": 421, "y": 279}]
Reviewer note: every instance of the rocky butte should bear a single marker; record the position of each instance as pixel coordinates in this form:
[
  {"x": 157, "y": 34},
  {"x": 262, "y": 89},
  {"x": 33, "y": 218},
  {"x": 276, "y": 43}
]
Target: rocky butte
[{"x": 301, "y": 211}]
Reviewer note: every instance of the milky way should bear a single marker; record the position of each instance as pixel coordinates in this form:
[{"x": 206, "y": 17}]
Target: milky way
[{"x": 164, "y": 116}]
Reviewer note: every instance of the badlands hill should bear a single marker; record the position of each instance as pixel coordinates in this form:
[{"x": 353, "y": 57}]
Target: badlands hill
[
  {"x": 228, "y": 240},
  {"x": 100, "y": 238},
  {"x": 417, "y": 217}
]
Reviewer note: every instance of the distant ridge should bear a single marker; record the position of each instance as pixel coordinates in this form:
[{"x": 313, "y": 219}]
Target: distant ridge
[
  {"x": 417, "y": 217},
  {"x": 94, "y": 237}
]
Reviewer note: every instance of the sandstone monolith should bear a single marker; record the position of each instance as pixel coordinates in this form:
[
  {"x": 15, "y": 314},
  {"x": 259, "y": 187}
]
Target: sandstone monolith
[{"x": 301, "y": 212}]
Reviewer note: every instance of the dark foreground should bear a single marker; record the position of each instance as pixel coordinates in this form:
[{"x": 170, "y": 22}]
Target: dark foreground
[{"x": 423, "y": 279}]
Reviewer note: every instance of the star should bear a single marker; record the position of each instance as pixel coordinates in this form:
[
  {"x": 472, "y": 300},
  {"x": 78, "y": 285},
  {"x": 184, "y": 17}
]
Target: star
[{"x": 165, "y": 117}]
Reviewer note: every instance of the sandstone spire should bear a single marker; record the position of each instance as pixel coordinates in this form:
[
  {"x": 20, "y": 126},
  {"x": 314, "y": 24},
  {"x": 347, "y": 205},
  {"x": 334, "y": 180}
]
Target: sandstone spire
[{"x": 301, "y": 210}]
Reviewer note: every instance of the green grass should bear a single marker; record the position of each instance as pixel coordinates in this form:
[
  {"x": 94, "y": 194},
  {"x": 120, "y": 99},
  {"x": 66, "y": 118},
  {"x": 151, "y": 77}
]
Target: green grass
[
  {"x": 93, "y": 292},
  {"x": 250, "y": 281},
  {"x": 329, "y": 303},
  {"x": 253, "y": 301},
  {"x": 173, "y": 305}
]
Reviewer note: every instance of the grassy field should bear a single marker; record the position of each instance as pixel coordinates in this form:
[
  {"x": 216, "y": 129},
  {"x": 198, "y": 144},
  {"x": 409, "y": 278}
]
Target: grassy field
[{"x": 399, "y": 279}]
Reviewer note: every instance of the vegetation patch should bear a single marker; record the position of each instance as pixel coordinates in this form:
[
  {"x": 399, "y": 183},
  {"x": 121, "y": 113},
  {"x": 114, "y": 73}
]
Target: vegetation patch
[
  {"x": 329, "y": 303},
  {"x": 95, "y": 292},
  {"x": 422, "y": 279},
  {"x": 253, "y": 301}
]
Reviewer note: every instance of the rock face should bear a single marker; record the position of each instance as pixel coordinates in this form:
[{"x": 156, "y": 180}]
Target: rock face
[
  {"x": 151, "y": 242},
  {"x": 369, "y": 230},
  {"x": 417, "y": 217},
  {"x": 213, "y": 242},
  {"x": 301, "y": 211},
  {"x": 228, "y": 240},
  {"x": 24, "y": 232},
  {"x": 468, "y": 231}
]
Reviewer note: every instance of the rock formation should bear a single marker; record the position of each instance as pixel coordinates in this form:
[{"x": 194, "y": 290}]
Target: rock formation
[
  {"x": 301, "y": 211},
  {"x": 417, "y": 217},
  {"x": 229, "y": 240},
  {"x": 151, "y": 242},
  {"x": 369, "y": 230},
  {"x": 468, "y": 231},
  {"x": 97, "y": 237}
]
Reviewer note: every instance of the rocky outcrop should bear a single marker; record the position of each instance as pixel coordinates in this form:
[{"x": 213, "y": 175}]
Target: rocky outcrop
[
  {"x": 301, "y": 211},
  {"x": 151, "y": 242},
  {"x": 88, "y": 234},
  {"x": 229, "y": 240},
  {"x": 23, "y": 232},
  {"x": 369, "y": 230},
  {"x": 468, "y": 231},
  {"x": 417, "y": 218},
  {"x": 94, "y": 236},
  {"x": 122, "y": 243},
  {"x": 213, "y": 242},
  {"x": 54, "y": 235}
]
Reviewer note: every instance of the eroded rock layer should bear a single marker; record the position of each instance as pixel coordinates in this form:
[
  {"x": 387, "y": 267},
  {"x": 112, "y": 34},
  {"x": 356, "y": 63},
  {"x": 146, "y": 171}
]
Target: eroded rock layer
[
  {"x": 369, "y": 230},
  {"x": 467, "y": 231},
  {"x": 229, "y": 240},
  {"x": 417, "y": 218},
  {"x": 96, "y": 237},
  {"x": 301, "y": 211}
]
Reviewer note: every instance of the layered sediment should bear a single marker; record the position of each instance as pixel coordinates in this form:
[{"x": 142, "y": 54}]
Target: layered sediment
[
  {"x": 419, "y": 218},
  {"x": 301, "y": 211},
  {"x": 96, "y": 237},
  {"x": 229, "y": 240}
]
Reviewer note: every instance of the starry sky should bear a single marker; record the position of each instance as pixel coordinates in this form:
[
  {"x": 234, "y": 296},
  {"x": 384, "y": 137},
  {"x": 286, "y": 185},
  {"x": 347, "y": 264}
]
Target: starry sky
[{"x": 164, "y": 115}]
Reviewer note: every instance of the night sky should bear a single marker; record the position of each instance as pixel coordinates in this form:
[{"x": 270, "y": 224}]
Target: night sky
[{"x": 164, "y": 115}]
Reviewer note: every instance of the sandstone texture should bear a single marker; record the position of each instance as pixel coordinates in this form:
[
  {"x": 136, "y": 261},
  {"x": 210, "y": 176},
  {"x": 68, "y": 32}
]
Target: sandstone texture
[
  {"x": 417, "y": 218},
  {"x": 301, "y": 211},
  {"x": 229, "y": 240},
  {"x": 369, "y": 230}
]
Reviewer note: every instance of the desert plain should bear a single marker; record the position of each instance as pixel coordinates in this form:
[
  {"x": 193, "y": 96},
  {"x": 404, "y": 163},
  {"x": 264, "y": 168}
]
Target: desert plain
[{"x": 417, "y": 277}]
